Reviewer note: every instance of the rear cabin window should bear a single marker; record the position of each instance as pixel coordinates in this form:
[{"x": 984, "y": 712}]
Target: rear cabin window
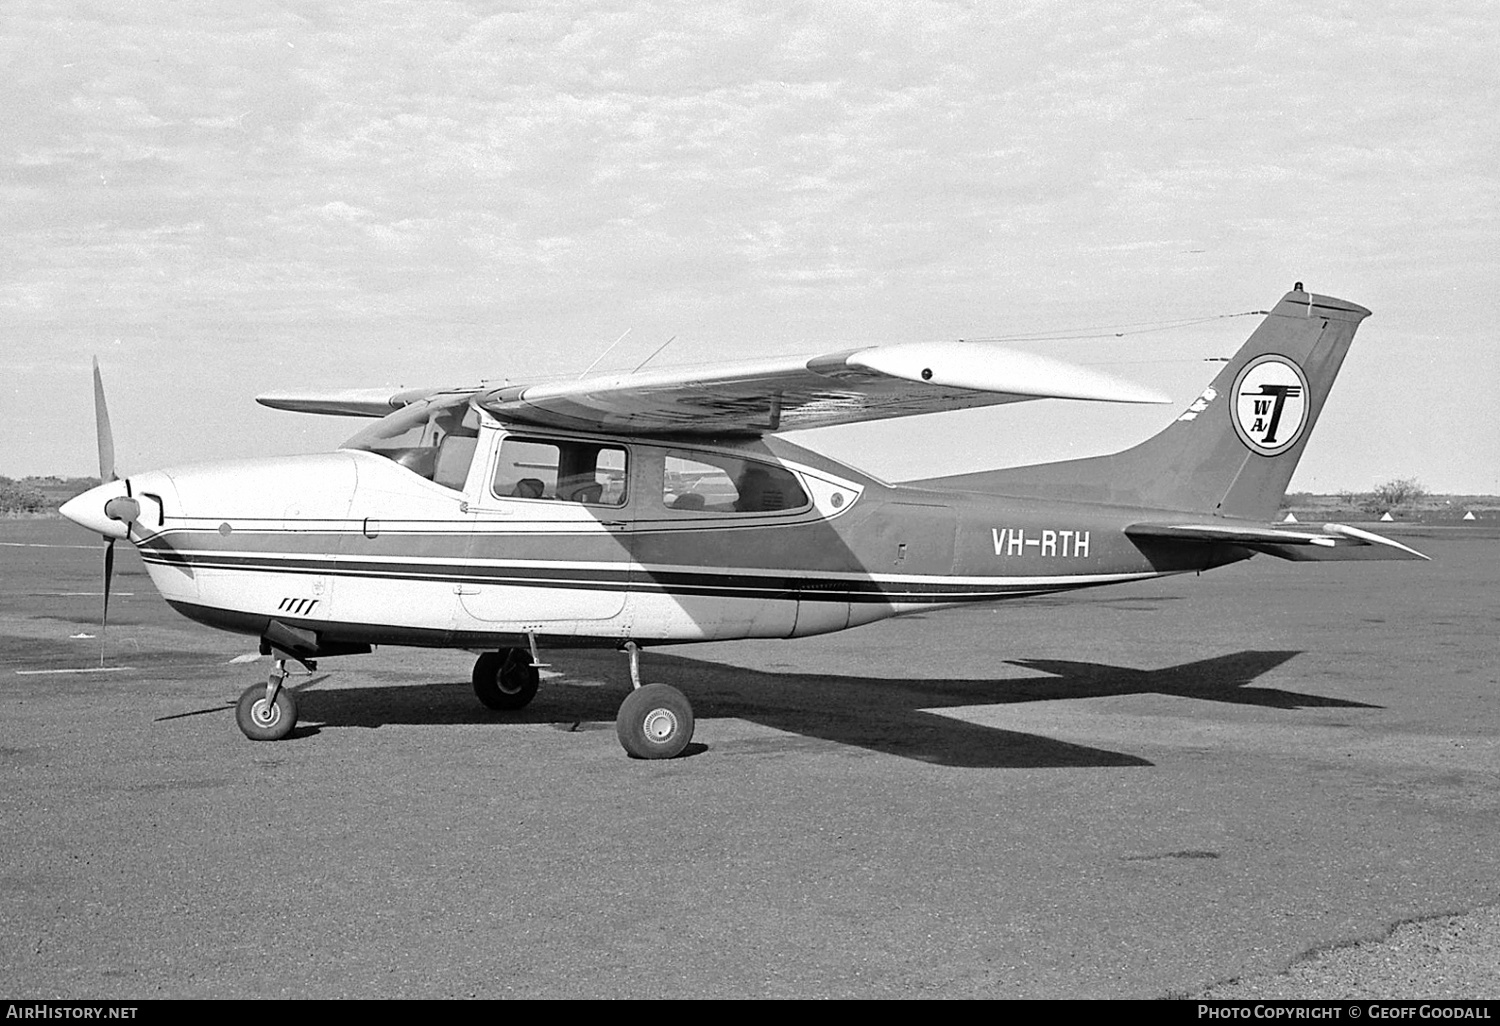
[
  {"x": 724, "y": 484},
  {"x": 561, "y": 471}
]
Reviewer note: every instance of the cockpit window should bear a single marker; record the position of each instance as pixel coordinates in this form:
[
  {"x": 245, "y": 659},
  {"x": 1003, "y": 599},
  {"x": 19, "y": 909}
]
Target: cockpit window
[
  {"x": 434, "y": 439},
  {"x": 725, "y": 484},
  {"x": 562, "y": 471}
]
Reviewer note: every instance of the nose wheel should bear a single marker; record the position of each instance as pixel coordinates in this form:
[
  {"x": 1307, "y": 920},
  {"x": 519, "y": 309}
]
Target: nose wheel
[{"x": 267, "y": 712}]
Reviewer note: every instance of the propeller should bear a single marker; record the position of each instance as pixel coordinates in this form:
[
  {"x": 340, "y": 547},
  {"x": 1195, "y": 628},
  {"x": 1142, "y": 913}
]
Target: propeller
[{"x": 125, "y": 508}]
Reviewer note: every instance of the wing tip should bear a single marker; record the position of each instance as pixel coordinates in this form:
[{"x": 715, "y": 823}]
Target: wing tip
[
  {"x": 369, "y": 402},
  {"x": 988, "y": 368}
]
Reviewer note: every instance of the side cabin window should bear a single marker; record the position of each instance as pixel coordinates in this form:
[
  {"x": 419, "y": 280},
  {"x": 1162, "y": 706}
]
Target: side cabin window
[
  {"x": 725, "y": 484},
  {"x": 434, "y": 439},
  {"x": 562, "y": 471}
]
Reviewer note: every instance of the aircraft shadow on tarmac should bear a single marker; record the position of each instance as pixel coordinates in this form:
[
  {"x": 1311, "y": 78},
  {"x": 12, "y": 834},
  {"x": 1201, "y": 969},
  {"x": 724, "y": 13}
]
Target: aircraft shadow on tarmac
[{"x": 893, "y": 717}]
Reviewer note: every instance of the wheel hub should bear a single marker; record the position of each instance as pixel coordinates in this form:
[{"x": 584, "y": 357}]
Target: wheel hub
[
  {"x": 659, "y": 725},
  {"x": 264, "y": 713}
]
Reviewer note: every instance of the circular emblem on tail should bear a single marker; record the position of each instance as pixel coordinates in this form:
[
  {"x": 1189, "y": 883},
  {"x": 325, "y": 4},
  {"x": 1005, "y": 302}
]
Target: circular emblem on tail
[{"x": 1270, "y": 404}]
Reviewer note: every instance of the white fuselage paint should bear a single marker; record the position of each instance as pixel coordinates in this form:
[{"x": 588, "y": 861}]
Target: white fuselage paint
[{"x": 351, "y": 538}]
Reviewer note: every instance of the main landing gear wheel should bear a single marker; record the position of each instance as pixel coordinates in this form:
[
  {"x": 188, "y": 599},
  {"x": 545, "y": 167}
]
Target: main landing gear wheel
[
  {"x": 655, "y": 722},
  {"x": 262, "y": 720},
  {"x": 506, "y": 679}
]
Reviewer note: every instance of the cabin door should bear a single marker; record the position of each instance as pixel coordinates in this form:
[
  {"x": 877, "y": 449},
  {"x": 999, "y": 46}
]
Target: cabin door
[{"x": 548, "y": 541}]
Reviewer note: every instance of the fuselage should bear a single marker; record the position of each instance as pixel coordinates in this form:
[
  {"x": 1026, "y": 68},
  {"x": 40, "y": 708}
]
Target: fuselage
[{"x": 582, "y": 539}]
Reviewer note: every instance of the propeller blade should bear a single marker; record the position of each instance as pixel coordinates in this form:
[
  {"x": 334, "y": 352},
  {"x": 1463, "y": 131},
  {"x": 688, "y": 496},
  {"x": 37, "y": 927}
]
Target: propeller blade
[
  {"x": 109, "y": 573},
  {"x": 101, "y": 426}
]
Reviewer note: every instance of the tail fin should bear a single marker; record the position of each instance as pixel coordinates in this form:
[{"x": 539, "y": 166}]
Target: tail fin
[{"x": 1232, "y": 452}]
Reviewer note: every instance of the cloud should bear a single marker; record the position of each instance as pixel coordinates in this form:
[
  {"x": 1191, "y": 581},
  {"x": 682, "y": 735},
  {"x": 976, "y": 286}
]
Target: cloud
[{"x": 745, "y": 174}]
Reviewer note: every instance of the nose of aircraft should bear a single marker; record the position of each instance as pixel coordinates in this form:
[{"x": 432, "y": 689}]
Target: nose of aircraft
[{"x": 107, "y": 509}]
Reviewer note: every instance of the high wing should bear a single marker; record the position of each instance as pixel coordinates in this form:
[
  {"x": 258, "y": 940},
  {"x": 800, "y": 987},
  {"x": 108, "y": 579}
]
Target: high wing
[
  {"x": 791, "y": 393},
  {"x": 353, "y": 402},
  {"x": 755, "y": 398},
  {"x": 1334, "y": 541}
]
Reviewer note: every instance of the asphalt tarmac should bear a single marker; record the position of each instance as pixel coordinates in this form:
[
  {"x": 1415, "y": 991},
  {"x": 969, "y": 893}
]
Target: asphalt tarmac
[{"x": 1275, "y": 779}]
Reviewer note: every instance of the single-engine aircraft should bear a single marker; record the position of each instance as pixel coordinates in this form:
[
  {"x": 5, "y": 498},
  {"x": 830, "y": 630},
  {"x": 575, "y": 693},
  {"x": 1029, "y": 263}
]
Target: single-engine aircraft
[{"x": 651, "y": 508}]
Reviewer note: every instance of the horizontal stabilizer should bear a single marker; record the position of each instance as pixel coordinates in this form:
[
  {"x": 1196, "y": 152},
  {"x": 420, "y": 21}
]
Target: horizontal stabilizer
[
  {"x": 1333, "y": 541},
  {"x": 346, "y": 402}
]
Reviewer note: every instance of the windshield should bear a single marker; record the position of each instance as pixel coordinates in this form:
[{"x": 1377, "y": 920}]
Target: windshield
[{"x": 433, "y": 438}]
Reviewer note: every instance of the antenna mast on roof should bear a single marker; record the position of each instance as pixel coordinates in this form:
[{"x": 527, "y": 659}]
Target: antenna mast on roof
[
  {"x": 603, "y": 355},
  {"x": 654, "y": 355}
]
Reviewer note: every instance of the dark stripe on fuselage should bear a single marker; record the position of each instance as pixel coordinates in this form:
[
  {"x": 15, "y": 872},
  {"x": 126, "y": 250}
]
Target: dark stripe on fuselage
[{"x": 716, "y": 583}]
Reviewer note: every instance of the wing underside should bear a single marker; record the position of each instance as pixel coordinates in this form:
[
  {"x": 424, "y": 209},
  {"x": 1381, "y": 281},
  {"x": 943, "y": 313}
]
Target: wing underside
[
  {"x": 352, "y": 402},
  {"x": 794, "y": 393},
  {"x": 1333, "y": 541},
  {"x": 762, "y": 397}
]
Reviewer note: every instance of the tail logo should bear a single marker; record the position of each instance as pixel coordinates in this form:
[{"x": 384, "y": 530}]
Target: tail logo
[{"x": 1270, "y": 404}]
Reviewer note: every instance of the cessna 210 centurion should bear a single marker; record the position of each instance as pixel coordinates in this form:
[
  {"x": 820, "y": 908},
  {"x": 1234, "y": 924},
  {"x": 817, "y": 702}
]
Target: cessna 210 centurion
[{"x": 663, "y": 507}]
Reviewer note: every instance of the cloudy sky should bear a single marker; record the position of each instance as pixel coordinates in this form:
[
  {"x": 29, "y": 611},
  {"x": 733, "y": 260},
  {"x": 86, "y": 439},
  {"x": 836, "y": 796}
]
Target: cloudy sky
[{"x": 219, "y": 199}]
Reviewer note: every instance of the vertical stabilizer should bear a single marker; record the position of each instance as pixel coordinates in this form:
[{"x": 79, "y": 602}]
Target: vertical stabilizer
[{"x": 1231, "y": 452}]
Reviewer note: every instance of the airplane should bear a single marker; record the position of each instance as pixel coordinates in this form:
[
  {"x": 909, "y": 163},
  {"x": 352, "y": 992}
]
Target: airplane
[{"x": 661, "y": 507}]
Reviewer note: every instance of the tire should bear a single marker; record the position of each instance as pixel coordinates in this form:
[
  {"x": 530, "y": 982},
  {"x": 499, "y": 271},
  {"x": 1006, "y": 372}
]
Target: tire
[
  {"x": 261, "y": 723},
  {"x": 655, "y": 722},
  {"x": 505, "y": 679}
]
